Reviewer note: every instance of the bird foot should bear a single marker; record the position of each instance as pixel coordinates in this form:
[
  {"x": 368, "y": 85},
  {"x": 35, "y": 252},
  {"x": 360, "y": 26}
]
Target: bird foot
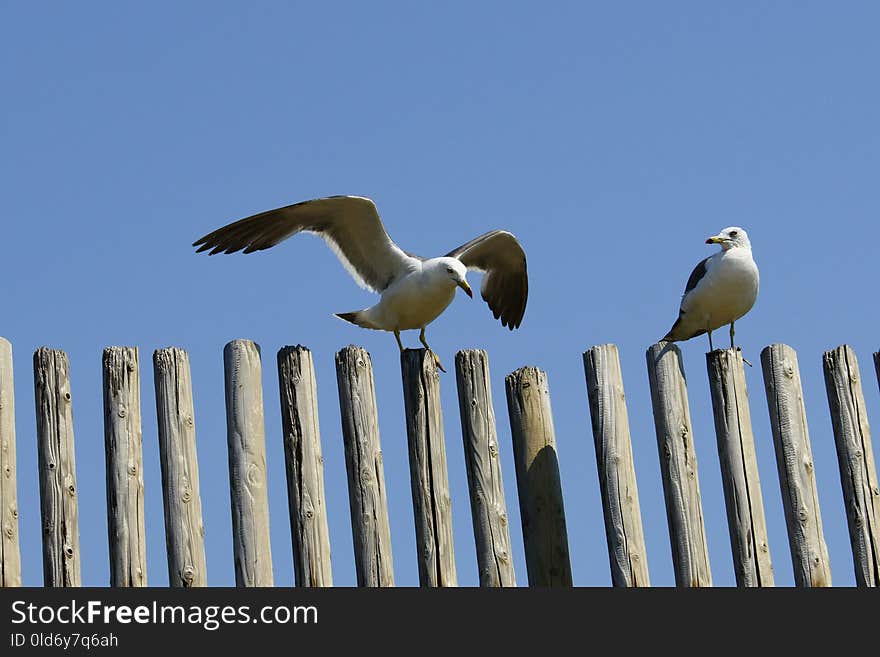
[{"x": 437, "y": 361}]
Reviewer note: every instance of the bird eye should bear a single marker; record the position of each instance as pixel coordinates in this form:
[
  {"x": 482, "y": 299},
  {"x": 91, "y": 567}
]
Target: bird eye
[
  {"x": 734, "y": 233},
  {"x": 449, "y": 270}
]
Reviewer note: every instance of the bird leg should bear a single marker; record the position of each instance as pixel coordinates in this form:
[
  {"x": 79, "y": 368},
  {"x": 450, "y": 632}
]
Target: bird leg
[
  {"x": 711, "y": 348},
  {"x": 430, "y": 351},
  {"x": 399, "y": 343},
  {"x": 731, "y": 335}
]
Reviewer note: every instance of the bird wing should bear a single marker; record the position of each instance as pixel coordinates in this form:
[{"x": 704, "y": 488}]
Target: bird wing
[
  {"x": 349, "y": 224},
  {"x": 696, "y": 275},
  {"x": 679, "y": 330},
  {"x": 505, "y": 285}
]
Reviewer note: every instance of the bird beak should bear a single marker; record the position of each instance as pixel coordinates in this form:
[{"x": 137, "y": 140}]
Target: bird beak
[
  {"x": 717, "y": 239},
  {"x": 467, "y": 288}
]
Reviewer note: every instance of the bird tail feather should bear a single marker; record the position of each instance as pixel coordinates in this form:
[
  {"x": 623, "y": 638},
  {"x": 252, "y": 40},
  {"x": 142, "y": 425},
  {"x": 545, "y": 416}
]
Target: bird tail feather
[{"x": 358, "y": 317}]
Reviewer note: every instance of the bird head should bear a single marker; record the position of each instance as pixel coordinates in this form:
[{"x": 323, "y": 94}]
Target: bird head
[
  {"x": 457, "y": 273},
  {"x": 732, "y": 237}
]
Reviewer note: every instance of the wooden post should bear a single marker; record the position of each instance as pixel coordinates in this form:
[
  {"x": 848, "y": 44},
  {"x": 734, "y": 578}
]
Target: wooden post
[
  {"x": 123, "y": 438},
  {"x": 488, "y": 506},
  {"x": 61, "y": 556},
  {"x": 537, "y": 477},
  {"x": 432, "y": 504},
  {"x": 617, "y": 474},
  {"x": 363, "y": 462},
  {"x": 794, "y": 461},
  {"x": 739, "y": 468},
  {"x": 246, "y": 439},
  {"x": 10, "y": 556},
  {"x": 305, "y": 467},
  {"x": 678, "y": 466},
  {"x": 855, "y": 456},
  {"x": 184, "y": 531}
]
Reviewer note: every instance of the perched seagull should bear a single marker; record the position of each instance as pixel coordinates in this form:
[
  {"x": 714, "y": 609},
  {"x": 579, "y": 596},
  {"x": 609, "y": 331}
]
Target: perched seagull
[
  {"x": 414, "y": 290},
  {"x": 720, "y": 290}
]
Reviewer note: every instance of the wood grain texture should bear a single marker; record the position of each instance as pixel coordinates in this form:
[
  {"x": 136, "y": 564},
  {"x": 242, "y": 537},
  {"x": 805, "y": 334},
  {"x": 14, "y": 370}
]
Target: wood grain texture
[
  {"x": 537, "y": 476},
  {"x": 123, "y": 439},
  {"x": 483, "y": 463},
  {"x": 370, "y": 528},
  {"x": 184, "y": 530},
  {"x": 305, "y": 467},
  {"x": 10, "y": 554},
  {"x": 246, "y": 442},
  {"x": 617, "y": 475},
  {"x": 794, "y": 462},
  {"x": 432, "y": 503},
  {"x": 678, "y": 466},
  {"x": 739, "y": 469},
  {"x": 55, "y": 450},
  {"x": 855, "y": 458}
]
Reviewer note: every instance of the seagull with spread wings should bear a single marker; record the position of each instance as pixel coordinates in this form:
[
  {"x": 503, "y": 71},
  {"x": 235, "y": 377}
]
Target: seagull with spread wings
[{"x": 414, "y": 291}]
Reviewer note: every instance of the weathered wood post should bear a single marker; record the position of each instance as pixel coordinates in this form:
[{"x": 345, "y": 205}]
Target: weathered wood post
[
  {"x": 617, "y": 475},
  {"x": 10, "y": 555},
  {"x": 678, "y": 466},
  {"x": 246, "y": 439},
  {"x": 61, "y": 556},
  {"x": 429, "y": 477},
  {"x": 537, "y": 477},
  {"x": 739, "y": 468},
  {"x": 123, "y": 439},
  {"x": 305, "y": 467},
  {"x": 794, "y": 461},
  {"x": 184, "y": 531},
  {"x": 855, "y": 457},
  {"x": 363, "y": 462},
  {"x": 485, "y": 484}
]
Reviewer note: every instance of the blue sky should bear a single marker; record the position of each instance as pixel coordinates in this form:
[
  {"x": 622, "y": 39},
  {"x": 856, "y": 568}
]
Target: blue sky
[{"x": 611, "y": 138}]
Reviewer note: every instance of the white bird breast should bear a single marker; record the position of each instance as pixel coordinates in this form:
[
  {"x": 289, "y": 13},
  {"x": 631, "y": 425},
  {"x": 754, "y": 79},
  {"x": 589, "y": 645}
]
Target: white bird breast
[
  {"x": 726, "y": 293},
  {"x": 414, "y": 301}
]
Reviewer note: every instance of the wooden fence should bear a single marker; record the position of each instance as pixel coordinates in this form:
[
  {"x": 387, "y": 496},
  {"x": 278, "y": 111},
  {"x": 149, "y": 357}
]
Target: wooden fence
[{"x": 534, "y": 450}]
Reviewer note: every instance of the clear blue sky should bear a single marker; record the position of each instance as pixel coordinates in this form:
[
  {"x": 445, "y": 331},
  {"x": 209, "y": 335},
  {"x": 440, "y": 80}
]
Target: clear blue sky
[{"x": 611, "y": 138}]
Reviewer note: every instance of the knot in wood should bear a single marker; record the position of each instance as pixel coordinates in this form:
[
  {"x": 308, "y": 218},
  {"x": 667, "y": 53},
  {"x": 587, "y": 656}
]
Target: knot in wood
[
  {"x": 635, "y": 556},
  {"x": 9, "y": 532},
  {"x": 764, "y": 547},
  {"x": 359, "y": 362},
  {"x": 309, "y": 513},
  {"x": 802, "y": 515},
  {"x": 132, "y": 469},
  {"x": 254, "y": 475},
  {"x": 51, "y": 465},
  {"x": 71, "y": 489},
  {"x": 188, "y": 420},
  {"x": 808, "y": 466},
  {"x": 858, "y": 454},
  {"x": 188, "y": 575},
  {"x": 68, "y": 551},
  {"x": 788, "y": 368},
  {"x": 502, "y": 556},
  {"x": 493, "y": 450},
  {"x": 122, "y": 412},
  {"x": 66, "y": 396},
  {"x": 186, "y": 496},
  {"x": 14, "y": 512}
]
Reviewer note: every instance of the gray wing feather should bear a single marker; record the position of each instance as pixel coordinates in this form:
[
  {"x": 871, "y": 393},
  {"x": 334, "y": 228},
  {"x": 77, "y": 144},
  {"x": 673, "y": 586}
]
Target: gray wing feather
[
  {"x": 349, "y": 224},
  {"x": 505, "y": 285}
]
